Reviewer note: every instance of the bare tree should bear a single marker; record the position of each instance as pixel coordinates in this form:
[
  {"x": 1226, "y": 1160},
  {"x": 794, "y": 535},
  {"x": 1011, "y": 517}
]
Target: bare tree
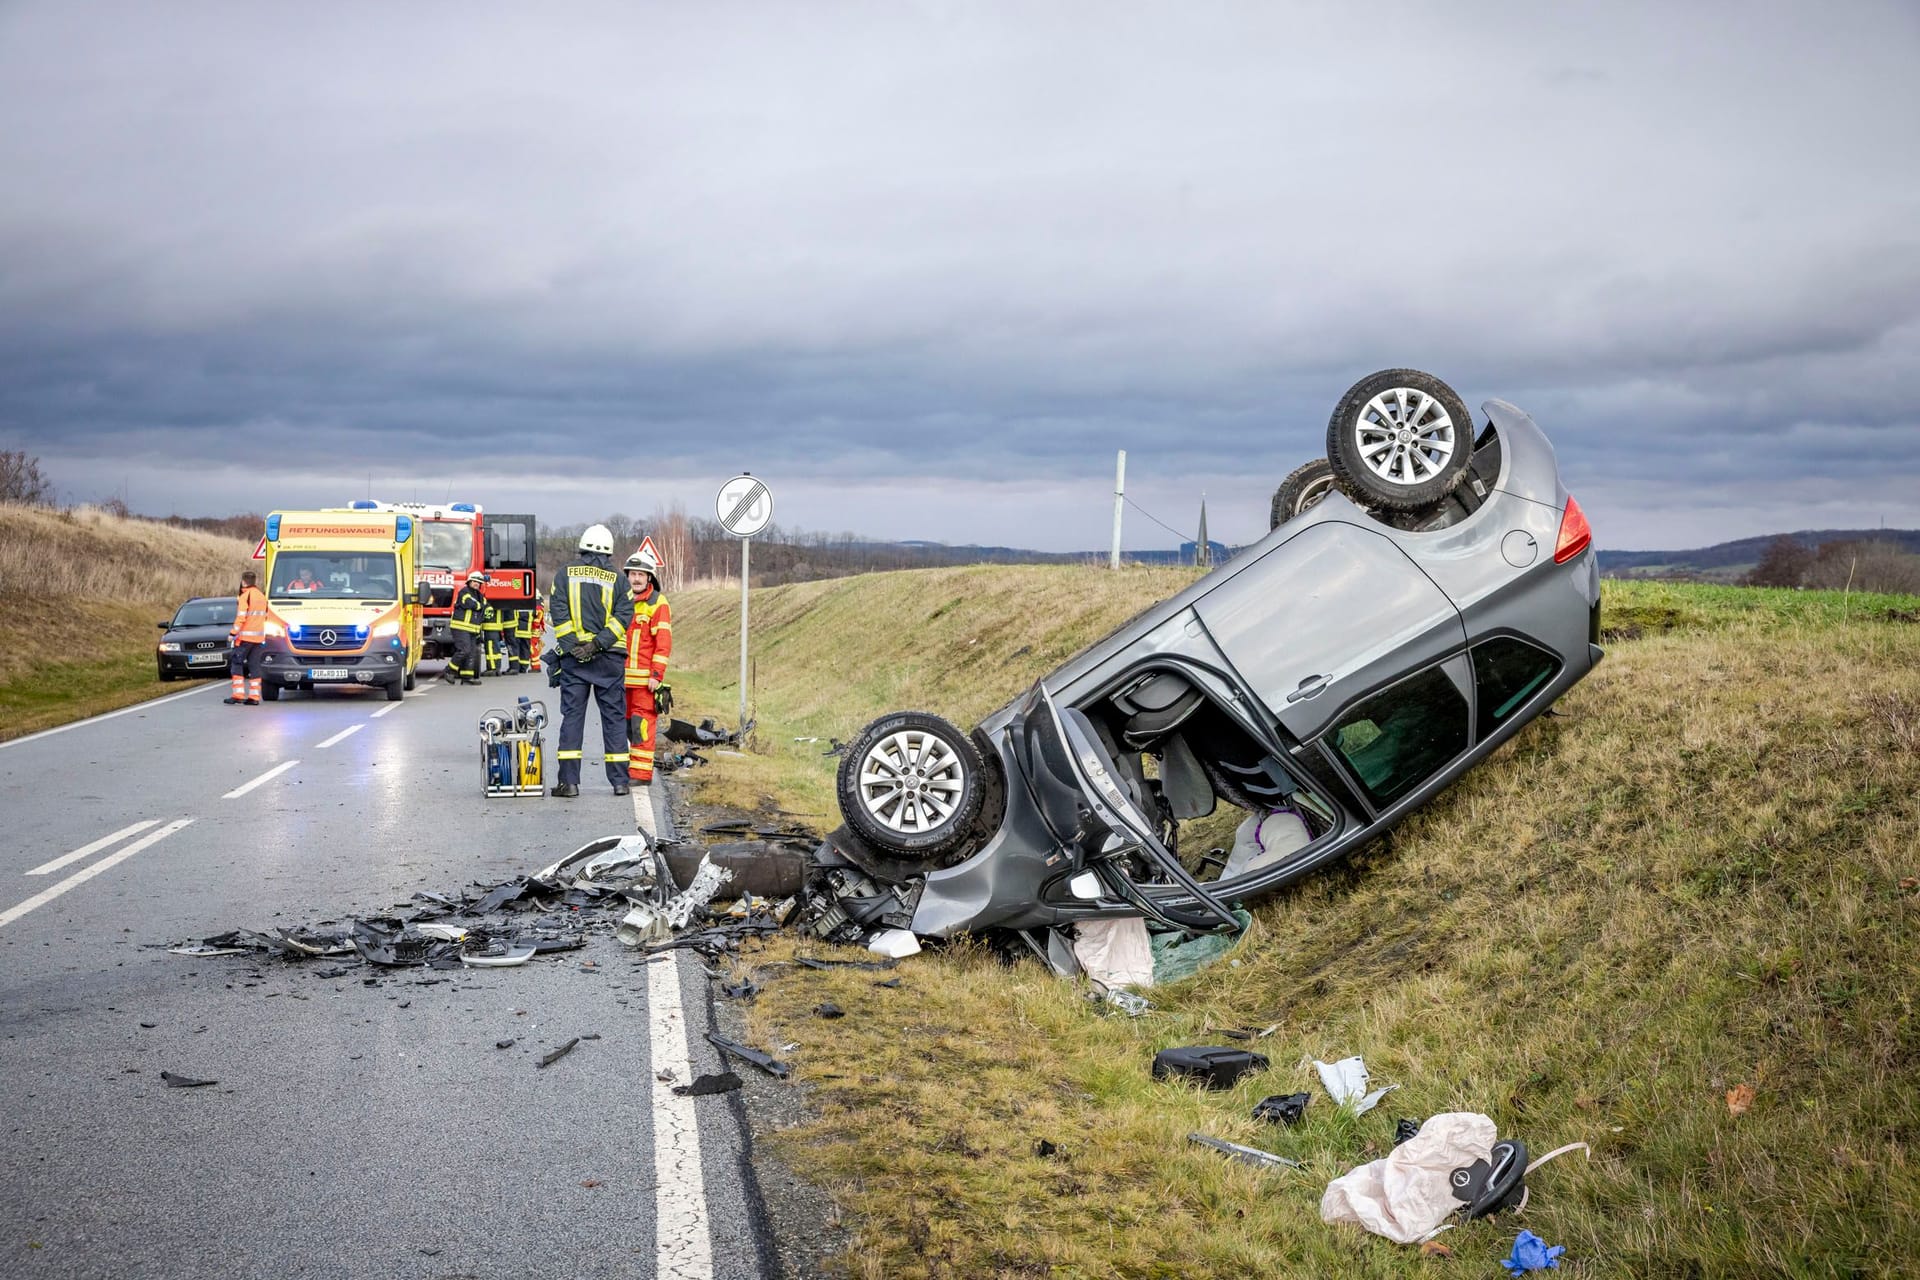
[
  {"x": 21, "y": 479},
  {"x": 1783, "y": 564}
]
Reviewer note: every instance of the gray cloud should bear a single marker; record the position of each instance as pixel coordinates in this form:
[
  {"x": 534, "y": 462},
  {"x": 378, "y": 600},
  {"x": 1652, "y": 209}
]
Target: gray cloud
[{"x": 927, "y": 266}]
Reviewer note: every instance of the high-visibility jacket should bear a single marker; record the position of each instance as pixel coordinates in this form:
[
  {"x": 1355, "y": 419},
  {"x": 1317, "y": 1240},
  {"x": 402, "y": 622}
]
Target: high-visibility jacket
[
  {"x": 249, "y": 617},
  {"x": 591, "y": 602},
  {"x": 523, "y": 624},
  {"x": 469, "y": 610},
  {"x": 650, "y": 640}
]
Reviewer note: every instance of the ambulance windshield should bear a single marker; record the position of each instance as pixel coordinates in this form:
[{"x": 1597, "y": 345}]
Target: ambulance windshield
[{"x": 322, "y": 575}]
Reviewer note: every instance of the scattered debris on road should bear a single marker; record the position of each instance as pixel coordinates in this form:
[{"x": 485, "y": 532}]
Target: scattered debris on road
[
  {"x": 702, "y": 1086},
  {"x": 1243, "y": 1154},
  {"x": 549, "y": 1059},
  {"x": 173, "y": 1081},
  {"x": 1214, "y": 1066}
]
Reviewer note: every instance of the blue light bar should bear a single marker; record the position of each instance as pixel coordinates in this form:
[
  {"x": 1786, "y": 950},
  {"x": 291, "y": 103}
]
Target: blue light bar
[
  {"x": 273, "y": 527},
  {"x": 402, "y": 528},
  {"x": 363, "y": 504},
  {"x": 461, "y": 506}
]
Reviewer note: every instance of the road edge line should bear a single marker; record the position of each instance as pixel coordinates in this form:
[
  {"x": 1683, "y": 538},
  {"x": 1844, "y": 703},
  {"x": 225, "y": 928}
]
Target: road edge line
[{"x": 106, "y": 715}]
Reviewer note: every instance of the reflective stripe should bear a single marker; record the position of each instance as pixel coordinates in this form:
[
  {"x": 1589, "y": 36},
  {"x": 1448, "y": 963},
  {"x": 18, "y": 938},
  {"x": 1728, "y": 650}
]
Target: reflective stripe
[
  {"x": 566, "y": 755},
  {"x": 565, "y": 629},
  {"x": 616, "y": 757},
  {"x": 464, "y": 626},
  {"x": 665, "y": 626}
]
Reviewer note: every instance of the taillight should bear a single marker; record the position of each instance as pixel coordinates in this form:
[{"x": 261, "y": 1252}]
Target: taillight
[{"x": 1575, "y": 533}]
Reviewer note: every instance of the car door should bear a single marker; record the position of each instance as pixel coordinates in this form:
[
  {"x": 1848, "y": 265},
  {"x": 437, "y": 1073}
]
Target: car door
[{"x": 1330, "y": 613}]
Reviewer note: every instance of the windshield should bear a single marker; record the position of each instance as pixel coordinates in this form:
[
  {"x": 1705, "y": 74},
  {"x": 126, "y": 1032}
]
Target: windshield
[
  {"x": 321, "y": 575},
  {"x": 445, "y": 544},
  {"x": 206, "y": 613}
]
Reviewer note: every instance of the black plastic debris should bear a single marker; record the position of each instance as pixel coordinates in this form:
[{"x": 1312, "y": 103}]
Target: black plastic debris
[
  {"x": 560, "y": 1053},
  {"x": 1045, "y": 1149},
  {"x": 1403, "y": 1129},
  {"x": 723, "y": 1082},
  {"x": 173, "y": 1081},
  {"x": 1287, "y": 1109},
  {"x": 809, "y": 962},
  {"x": 890, "y": 982},
  {"x": 504, "y": 1044},
  {"x": 746, "y": 1053},
  {"x": 1214, "y": 1066},
  {"x": 335, "y": 972},
  {"x": 385, "y": 941},
  {"x": 745, "y": 989},
  {"x": 828, "y": 1009},
  {"x": 500, "y": 896}
]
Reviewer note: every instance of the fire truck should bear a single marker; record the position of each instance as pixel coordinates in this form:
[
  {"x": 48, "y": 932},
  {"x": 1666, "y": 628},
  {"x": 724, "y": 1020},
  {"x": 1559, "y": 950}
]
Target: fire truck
[{"x": 453, "y": 541}]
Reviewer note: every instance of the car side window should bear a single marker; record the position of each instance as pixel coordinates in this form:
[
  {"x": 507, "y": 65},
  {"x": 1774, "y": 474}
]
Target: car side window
[
  {"x": 1403, "y": 735},
  {"x": 1507, "y": 672}
]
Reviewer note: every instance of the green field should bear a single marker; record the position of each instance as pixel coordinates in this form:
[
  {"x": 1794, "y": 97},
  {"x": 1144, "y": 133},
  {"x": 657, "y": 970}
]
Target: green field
[{"x": 1704, "y": 874}]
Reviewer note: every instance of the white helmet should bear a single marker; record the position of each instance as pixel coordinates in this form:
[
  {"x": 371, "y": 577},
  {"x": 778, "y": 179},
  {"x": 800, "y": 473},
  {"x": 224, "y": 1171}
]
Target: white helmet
[
  {"x": 597, "y": 540},
  {"x": 645, "y": 562},
  {"x": 476, "y": 576}
]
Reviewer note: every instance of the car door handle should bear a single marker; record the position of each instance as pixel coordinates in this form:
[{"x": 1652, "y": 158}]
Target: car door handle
[{"x": 1311, "y": 687}]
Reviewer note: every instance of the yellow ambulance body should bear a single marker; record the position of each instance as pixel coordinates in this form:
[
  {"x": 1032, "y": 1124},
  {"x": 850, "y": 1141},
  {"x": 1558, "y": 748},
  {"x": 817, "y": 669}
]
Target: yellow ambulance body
[{"x": 343, "y": 610}]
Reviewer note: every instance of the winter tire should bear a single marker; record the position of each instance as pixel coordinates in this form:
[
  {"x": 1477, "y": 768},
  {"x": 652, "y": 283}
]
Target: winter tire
[
  {"x": 396, "y": 689},
  {"x": 1301, "y": 491},
  {"x": 269, "y": 691},
  {"x": 911, "y": 785},
  {"x": 410, "y": 680},
  {"x": 1399, "y": 440}
]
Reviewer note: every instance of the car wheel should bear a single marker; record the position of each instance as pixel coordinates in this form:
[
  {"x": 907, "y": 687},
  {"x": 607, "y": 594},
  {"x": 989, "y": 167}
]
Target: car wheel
[
  {"x": 1399, "y": 440},
  {"x": 1301, "y": 491},
  {"x": 396, "y": 689},
  {"x": 269, "y": 691},
  {"x": 410, "y": 681},
  {"x": 911, "y": 785},
  {"x": 166, "y": 676}
]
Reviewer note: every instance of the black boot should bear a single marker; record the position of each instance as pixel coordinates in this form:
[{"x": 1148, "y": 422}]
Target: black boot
[
  {"x": 566, "y": 790},
  {"x": 620, "y": 788}
]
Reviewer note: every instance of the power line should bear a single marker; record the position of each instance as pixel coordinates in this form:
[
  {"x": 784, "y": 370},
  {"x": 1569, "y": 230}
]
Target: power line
[{"x": 1184, "y": 537}]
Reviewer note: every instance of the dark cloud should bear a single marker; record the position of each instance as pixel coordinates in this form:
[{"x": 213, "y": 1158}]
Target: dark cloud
[{"x": 926, "y": 267}]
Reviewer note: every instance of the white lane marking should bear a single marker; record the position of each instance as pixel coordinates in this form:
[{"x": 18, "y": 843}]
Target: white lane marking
[
  {"x": 95, "y": 847},
  {"x": 85, "y": 874},
  {"x": 268, "y": 776},
  {"x": 108, "y": 715},
  {"x": 391, "y": 706},
  {"x": 347, "y": 732},
  {"x": 422, "y": 691},
  {"x": 683, "y": 1239}
]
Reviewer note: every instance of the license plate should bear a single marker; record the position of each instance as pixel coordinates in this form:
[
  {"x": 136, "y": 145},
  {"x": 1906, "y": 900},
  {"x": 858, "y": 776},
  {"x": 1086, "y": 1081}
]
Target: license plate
[
  {"x": 327, "y": 673},
  {"x": 208, "y": 658}
]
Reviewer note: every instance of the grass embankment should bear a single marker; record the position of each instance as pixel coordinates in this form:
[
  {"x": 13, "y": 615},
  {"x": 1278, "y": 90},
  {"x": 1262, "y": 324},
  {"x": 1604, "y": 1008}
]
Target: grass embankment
[
  {"x": 1702, "y": 875},
  {"x": 79, "y": 594}
]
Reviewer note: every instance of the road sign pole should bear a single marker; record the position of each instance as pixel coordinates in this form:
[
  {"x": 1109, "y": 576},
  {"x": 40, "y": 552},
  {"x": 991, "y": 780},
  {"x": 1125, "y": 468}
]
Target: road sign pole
[
  {"x": 745, "y": 507},
  {"x": 741, "y": 724},
  {"x": 1119, "y": 501}
]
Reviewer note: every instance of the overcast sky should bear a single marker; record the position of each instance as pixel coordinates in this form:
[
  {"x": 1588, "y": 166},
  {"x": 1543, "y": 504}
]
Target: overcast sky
[{"x": 925, "y": 266}]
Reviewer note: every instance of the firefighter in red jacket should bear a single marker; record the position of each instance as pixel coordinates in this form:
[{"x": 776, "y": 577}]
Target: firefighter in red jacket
[
  {"x": 539, "y": 636},
  {"x": 649, "y": 645}
]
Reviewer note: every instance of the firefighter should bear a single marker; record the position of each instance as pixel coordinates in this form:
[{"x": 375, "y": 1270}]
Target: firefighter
[
  {"x": 469, "y": 609},
  {"x": 649, "y": 645},
  {"x": 520, "y": 653},
  {"x": 539, "y": 637},
  {"x": 248, "y": 633},
  {"x": 493, "y": 625},
  {"x": 592, "y": 610}
]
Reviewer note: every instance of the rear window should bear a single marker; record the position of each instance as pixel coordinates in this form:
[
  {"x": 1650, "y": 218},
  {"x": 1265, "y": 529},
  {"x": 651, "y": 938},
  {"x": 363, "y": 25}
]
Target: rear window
[
  {"x": 1402, "y": 736},
  {"x": 205, "y": 613},
  {"x": 1506, "y": 673}
]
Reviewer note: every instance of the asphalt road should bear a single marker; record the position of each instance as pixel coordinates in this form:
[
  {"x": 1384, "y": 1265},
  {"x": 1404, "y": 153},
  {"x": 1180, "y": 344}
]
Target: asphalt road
[{"x": 356, "y": 1130}]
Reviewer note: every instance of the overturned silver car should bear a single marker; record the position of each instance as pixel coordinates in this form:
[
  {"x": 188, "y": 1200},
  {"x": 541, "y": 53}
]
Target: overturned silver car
[{"x": 1423, "y": 594}]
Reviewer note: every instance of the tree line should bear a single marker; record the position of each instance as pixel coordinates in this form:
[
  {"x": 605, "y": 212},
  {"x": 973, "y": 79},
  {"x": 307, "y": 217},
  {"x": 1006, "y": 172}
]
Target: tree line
[{"x": 1851, "y": 564}]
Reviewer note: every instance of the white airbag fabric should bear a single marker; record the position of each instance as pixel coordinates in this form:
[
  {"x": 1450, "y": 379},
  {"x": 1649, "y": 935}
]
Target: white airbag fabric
[
  {"x": 1114, "y": 953},
  {"x": 1406, "y": 1195}
]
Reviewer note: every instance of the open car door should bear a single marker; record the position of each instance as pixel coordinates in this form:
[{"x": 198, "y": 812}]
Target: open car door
[{"x": 1132, "y": 831}]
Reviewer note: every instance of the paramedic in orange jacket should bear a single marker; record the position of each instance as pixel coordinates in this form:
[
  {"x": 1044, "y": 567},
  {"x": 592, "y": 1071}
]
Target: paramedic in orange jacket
[
  {"x": 248, "y": 634},
  {"x": 649, "y": 645}
]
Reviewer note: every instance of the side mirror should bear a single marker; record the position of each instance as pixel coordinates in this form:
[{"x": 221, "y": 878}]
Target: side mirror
[
  {"x": 423, "y": 594},
  {"x": 164, "y": 626}
]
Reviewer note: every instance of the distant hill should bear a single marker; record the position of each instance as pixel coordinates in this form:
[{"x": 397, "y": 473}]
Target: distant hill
[{"x": 1727, "y": 560}]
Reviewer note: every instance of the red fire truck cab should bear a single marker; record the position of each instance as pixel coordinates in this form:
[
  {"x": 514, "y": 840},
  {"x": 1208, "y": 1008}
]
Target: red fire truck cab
[{"x": 454, "y": 540}]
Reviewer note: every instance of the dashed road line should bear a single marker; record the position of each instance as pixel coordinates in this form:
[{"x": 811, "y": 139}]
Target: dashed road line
[
  {"x": 85, "y": 874},
  {"x": 86, "y": 849},
  {"x": 268, "y": 776},
  {"x": 107, "y": 715},
  {"x": 683, "y": 1239},
  {"x": 345, "y": 733},
  {"x": 391, "y": 706}
]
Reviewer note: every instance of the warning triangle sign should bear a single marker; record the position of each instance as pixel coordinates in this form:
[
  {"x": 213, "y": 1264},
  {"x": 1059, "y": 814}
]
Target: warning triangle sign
[
  {"x": 648, "y": 549},
  {"x": 260, "y": 549}
]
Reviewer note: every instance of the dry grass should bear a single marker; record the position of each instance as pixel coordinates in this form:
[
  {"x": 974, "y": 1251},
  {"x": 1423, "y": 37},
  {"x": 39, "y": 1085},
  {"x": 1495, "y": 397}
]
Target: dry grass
[
  {"x": 1706, "y": 873},
  {"x": 79, "y": 594}
]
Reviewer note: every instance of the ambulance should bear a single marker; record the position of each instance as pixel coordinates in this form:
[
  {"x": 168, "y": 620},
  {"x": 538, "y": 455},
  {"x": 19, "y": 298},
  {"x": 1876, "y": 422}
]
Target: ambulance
[{"x": 343, "y": 607}]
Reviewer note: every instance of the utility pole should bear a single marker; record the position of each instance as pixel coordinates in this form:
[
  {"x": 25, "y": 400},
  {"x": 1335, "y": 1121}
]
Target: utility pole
[
  {"x": 1202, "y": 553},
  {"x": 1119, "y": 501}
]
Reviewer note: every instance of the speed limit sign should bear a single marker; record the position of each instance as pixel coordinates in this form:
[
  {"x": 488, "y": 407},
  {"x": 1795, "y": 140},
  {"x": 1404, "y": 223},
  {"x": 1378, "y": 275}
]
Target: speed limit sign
[{"x": 745, "y": 506}]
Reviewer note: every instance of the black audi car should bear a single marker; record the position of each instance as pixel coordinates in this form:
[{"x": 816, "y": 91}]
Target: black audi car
[{"x": 195, "y": 643}]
